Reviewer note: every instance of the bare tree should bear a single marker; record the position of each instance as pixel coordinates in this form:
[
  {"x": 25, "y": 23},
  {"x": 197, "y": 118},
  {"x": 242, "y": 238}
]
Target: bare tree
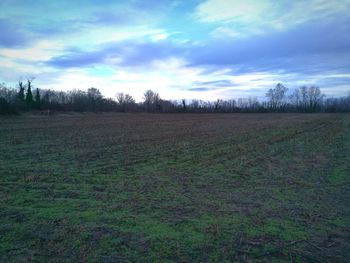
[
  {"x": 94, "y": 99},
  {"x": 304, "y": 98},
  {"x": 277, "y": 97},
  {"x": 21, "y": 87},
  {"x": 294, "y": 98},
  {"x": 307, "y": 99},
  {"x": 125, "y": 101},
  {"x": 315, "y": 98},
  {"x": 124, "y": 98},
  {"x": 151, "y": 100},
  {"x": 8, "y": 94}
]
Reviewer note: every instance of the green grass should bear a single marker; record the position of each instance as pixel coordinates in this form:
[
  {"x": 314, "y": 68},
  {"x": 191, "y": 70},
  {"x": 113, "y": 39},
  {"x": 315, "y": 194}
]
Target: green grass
[{"x": 175, "y": 188}]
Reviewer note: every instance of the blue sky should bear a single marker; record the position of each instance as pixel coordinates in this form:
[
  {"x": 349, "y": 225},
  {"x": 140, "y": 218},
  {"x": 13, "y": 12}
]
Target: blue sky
[{"x": 182, "y": 49}]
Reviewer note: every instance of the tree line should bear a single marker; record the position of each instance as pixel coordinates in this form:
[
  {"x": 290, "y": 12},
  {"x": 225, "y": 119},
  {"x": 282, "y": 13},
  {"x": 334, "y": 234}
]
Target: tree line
[{"x": 278, "y": 99}]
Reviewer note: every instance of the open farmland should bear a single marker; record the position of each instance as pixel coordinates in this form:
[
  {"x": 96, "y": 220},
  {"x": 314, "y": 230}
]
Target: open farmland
[{"x": 175, "y": 188}]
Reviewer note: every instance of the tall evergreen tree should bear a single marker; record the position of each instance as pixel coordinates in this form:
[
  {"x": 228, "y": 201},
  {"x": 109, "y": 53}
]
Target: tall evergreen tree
[
  {"x": 184, "y": 107},
  {"x": 21, "y": 91},
  {"x": 37, "y": 99},
  {"x": 29, "y": 95}
]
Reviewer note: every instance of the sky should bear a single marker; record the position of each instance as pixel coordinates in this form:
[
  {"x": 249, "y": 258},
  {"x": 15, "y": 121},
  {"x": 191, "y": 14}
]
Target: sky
[{"x": 209, "y": 49}]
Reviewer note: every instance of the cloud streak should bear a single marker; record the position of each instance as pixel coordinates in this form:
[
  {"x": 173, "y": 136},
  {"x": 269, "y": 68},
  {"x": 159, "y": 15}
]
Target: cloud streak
[{"x": 12, "y": 36}]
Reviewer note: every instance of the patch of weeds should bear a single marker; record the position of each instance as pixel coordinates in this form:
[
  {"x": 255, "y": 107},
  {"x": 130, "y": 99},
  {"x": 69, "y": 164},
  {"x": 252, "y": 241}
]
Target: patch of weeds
[
  {"x": 341, "y": 222},
  {"x": 339, "y": 174},
  {"x": 280, "y": 229}
]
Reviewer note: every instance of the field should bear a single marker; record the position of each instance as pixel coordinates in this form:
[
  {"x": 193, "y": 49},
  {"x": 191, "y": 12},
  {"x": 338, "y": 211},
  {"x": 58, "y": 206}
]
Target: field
[{"x": 175, "y": 188}]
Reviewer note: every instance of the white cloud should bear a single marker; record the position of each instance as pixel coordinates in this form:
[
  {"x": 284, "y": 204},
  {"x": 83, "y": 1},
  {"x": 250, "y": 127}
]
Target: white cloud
[
  {"x": 160, "y": 36},
  {"x": 93, "y": 36},
  {"x": 41, "y": 50},
  {"x": 224, "y": 32},
  {"x": 229, "y": 10},
  {"x": 238, "y": 18}
]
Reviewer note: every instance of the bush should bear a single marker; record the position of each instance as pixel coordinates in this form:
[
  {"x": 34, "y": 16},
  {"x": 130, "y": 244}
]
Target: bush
[{"x": 6, "y": 108}]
